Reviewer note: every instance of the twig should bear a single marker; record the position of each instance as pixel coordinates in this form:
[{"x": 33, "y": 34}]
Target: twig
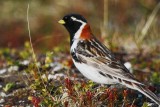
[
  {"x": 105, "y": 16},
  {"x": 33, "y": 53},
  {"x": 149, "y": 22},
  {"x": 105, "y": 20},
  {"x": 133, "y": 103}
]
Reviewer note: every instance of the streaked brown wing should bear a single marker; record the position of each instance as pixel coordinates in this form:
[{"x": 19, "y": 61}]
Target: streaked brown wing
[{"x": 97, "y": 55}]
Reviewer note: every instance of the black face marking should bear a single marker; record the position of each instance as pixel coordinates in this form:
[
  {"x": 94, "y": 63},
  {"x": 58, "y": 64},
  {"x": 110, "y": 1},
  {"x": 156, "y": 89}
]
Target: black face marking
[{"x": 73, "y": 26}]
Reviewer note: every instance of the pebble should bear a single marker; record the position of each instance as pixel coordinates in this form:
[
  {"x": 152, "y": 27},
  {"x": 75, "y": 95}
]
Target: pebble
[
  {"x": 13, "y": 68},
  {"x": 2, "y": 71},
  {"x": 2, "y": 100},
  {"x": 128, "y": 66},
  {"x": 2, "y": 94},
  {"x": 25, "y": 62},
  {"x": 50, "y": 76}
]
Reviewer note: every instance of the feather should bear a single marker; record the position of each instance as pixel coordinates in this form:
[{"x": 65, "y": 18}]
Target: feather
[{"x": 101, "y": 59}]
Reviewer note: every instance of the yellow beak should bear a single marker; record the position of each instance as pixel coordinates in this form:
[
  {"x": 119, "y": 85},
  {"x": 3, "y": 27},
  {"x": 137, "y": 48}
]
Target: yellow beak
[{"x": 61, "y": 22}]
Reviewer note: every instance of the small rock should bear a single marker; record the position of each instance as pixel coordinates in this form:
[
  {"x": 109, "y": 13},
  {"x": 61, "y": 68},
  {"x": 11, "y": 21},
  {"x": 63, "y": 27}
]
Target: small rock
[
  {"x": 128, "y": 66},
  {"x": 56, "y": 67},
  {"x": 1, "y": 86},
  {"x": 2, "y": 101},
  {"x": 2, "y": 94},
  {"x": 56, "y": 76},
  {"x": 13, "y": 68},
  {"x": 2, "y": 71},
  {"x": 25, "y": 62}
]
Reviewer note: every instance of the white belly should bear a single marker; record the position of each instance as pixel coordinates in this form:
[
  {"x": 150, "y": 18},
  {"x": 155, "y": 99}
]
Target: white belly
[{"x": 93, "y": 74}]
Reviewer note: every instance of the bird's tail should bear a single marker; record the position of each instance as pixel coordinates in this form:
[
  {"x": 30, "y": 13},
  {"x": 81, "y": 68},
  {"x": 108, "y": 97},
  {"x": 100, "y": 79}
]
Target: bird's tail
[{"x": 144, "y": 90}]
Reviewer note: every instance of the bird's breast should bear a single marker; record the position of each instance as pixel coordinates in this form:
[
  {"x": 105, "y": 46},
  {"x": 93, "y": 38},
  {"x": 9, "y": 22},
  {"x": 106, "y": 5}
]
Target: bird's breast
[{"x": 92, "y": 73}]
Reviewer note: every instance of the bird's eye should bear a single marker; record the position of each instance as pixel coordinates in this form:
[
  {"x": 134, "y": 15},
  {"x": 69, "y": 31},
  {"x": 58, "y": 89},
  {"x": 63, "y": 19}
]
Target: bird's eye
[{"x": 68, "y": 19}]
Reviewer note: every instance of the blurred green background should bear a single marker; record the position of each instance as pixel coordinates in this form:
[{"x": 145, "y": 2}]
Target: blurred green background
[{"x": 123, "y": 18}]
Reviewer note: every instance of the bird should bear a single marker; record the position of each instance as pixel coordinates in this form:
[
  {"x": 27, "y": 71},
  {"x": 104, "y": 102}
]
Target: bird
[{"x": 95, "y": 61}]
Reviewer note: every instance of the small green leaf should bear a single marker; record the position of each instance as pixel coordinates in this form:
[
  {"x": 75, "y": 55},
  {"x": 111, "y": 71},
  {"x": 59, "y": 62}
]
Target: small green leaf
[
  {"x": 9, "y": 86},
  {"x": 145, "y": 104}
]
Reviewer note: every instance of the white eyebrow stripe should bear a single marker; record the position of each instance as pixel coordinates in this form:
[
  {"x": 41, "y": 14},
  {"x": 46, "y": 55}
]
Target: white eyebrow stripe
[{"x": 75, "y": 19}]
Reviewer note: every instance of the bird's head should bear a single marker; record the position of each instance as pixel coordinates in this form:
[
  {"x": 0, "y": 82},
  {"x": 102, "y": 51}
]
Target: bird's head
[{"x": 76, "y": 25}]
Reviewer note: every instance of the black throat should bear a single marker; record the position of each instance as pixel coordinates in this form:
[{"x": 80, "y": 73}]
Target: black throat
[
  {"x": 71, "y": 39},
  {"x": 72, "y": 29}
]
